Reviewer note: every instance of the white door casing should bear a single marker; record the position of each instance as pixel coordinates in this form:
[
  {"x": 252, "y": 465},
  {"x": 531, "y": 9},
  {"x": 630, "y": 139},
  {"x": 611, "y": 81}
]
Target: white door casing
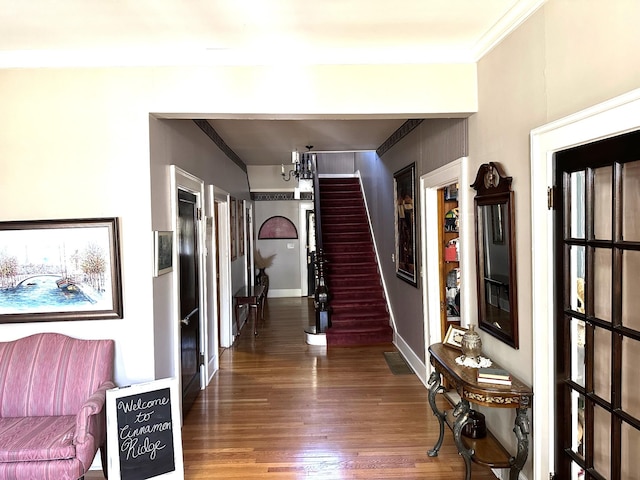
[
  {"x": 225, "y": 335},
  {"x": 184, "y": 180},
  {"x": 610, "y": 118},
  {"x": 430, "y": 183}
]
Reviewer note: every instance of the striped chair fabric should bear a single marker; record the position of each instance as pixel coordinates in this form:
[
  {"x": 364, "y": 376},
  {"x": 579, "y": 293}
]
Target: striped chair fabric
[{"x": 52, "y": 395}]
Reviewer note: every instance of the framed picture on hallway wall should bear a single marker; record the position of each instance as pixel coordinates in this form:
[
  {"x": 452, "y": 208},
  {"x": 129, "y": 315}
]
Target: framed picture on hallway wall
[
  {"x": 241, "y": 226},
  {"x": 404, "y": 188},
  {"x": 60, "y": 270},
  {"x": 233, "y": 226}
]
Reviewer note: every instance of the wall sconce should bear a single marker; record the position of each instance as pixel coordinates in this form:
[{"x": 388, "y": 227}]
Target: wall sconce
[{"x": 302, "y": 166}]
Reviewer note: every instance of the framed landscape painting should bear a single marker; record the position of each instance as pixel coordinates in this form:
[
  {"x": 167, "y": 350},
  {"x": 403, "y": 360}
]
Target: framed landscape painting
[
  {"x": 55, "y": 270},
  {"x": 404, "y": 187}
]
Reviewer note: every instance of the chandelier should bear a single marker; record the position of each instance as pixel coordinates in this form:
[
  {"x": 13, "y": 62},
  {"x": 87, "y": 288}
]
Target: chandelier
[{"x": 302, "y": 165}]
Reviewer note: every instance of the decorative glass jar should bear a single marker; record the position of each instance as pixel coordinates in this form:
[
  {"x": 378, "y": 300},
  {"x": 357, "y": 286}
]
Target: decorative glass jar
[{"x": 471, "y": 344}]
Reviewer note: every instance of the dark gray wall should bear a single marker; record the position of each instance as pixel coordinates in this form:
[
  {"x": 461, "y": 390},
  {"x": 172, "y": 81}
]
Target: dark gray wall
[
  {"x": 336, "y": 163},
  {"x": 432, "y": 144}
]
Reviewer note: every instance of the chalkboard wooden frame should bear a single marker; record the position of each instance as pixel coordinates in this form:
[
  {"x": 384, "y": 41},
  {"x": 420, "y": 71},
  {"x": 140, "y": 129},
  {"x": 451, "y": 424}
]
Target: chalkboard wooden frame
[{"x": 143, "y": 431}]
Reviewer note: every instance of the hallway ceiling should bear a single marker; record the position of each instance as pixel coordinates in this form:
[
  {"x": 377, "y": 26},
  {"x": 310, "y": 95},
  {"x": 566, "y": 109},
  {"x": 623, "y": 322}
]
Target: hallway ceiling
[{"x": 68, "y": 33}]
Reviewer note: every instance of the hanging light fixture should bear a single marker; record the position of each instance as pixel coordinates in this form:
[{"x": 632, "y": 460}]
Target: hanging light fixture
[{"x": 302, "y": 165}]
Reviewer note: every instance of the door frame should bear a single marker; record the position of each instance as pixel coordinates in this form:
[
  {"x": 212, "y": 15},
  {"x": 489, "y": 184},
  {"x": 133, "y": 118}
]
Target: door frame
[
  {"x": 453, "y": 172},
  {"x": 213, "y": 335},
  {"x": 613, "y": 117},
  {"x": 181, "y": 179},
  {"x": 225, "y": 336}
]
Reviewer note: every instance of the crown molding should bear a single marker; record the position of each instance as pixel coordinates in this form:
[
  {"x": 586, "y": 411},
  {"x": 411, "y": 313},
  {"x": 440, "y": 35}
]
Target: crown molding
[{"x": 510, "y": 21}]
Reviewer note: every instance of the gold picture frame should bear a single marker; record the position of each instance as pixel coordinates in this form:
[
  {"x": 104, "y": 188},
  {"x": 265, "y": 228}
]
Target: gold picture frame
[{"x": 453, "y": 338}]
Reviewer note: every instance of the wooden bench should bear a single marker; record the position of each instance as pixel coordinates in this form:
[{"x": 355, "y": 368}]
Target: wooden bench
[{"x": 253, "y": 296}]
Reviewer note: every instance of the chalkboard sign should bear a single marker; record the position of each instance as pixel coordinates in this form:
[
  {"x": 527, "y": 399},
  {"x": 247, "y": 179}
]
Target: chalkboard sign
[{"x": 143, "y": 431}]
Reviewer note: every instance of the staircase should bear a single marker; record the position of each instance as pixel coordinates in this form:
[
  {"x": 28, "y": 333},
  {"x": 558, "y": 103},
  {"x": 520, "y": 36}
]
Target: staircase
[{"x": 359, "y": 314}]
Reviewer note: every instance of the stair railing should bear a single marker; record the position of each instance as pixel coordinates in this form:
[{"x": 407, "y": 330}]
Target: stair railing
[{"x": 321, "y": 294}]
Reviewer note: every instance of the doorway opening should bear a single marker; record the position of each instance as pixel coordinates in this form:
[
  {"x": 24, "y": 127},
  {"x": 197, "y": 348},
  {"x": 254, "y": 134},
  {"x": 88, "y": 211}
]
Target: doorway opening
[{"x": 430, "y": 186}]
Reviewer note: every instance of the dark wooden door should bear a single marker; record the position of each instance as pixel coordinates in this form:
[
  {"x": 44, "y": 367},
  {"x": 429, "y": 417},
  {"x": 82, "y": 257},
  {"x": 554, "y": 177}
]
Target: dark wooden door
[
  {"x": 597, "y": 319},
  {"x": 189, "y": 298}
]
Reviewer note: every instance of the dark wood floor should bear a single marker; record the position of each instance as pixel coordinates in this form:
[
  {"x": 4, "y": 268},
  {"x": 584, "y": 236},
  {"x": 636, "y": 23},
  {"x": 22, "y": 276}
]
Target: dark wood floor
[{"x": 281, "y": 409}]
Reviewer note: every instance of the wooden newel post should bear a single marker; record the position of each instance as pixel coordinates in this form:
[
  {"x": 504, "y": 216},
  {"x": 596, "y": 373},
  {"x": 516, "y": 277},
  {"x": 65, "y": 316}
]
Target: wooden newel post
[{"x": 321, "y": 295}]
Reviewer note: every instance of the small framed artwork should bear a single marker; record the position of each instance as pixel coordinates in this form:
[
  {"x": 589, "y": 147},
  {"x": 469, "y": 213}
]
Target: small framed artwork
[
  {"x": 163, "y": 248},
  {"x": 454, "y": 335}
]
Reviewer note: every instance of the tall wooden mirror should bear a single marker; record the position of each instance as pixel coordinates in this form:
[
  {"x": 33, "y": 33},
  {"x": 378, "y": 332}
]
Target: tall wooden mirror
[{"x": 496, "y": 254}]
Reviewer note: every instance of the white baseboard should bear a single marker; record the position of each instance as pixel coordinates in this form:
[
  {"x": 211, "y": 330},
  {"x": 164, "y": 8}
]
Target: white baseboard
[
  {"x": 411, "y": 358},
  {"x": 503, "y": 474},
  {"x": 285, "y": 292}
]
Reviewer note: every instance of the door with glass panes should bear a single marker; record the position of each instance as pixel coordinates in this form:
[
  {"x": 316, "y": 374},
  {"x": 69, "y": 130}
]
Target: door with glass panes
[{"x": 597, "y": 251}]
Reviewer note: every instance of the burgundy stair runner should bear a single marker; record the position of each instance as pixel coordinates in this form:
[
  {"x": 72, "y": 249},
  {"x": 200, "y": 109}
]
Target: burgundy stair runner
[{"x": 359, "y": 314}]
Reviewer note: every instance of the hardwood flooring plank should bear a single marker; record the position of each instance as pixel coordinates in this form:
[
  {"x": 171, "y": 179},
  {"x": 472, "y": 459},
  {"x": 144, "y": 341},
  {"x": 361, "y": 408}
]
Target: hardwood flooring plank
[{"x": 284, "y": 410}]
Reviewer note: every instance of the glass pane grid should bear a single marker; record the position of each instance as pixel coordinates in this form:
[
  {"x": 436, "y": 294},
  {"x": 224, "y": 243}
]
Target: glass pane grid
[
  {"x": 630, "y": 293},
  {"x": 601, "y": 264},
  {"x": 630, "y": 446},
  {"x": 578, "y": 340},
  {"x": 630, "y": 391},
  {"x": 603, "y": 192},
  {"x": 601, "y": 444},
  {"x": 631, "y": 201}
]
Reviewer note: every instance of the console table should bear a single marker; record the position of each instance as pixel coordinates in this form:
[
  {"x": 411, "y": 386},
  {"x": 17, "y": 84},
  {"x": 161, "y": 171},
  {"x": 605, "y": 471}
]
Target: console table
[
  {"x": 486, "y": 451},
  {"x": 253, "y": 296}
]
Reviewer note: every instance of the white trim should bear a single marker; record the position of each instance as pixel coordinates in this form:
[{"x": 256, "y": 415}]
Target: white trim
[
  {"x": 181, "y": 179},
  {"x": 416, "y": 363},
  {"x": 213, "y": 335},
  {"x": 509, "y": 22},
  {"x": 610, "y": 118},
  {"x": 430, "y": 183},
  {"x": 224, "y": 243},
  {"x": 285, "y": 292}
]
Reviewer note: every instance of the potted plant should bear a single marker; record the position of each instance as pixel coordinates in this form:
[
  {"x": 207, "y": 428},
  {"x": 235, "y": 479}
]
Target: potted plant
[{"x": 262, "y": 263}]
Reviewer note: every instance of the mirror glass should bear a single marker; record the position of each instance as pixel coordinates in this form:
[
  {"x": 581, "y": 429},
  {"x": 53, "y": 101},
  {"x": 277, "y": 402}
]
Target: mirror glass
[{"x": 497, "y": 312}]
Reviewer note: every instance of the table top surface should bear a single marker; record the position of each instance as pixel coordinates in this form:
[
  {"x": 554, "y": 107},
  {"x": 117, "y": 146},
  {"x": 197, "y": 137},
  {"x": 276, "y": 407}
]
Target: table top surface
[
  {"x": 250, "y": 291},
  {"x": 466, "y": 377}
]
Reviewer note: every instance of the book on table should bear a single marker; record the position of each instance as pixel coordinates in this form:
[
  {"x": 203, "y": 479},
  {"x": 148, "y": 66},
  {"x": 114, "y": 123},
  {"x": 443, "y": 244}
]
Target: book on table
[
  {"x": 496, "y": 373},
  {"x": 497, "y": 376},
  {"x": 495, "y": 381}
]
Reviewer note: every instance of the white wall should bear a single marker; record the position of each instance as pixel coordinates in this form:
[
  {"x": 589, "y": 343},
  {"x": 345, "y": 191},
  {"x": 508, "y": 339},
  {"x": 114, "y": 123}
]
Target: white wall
[
  {"x": 84, "y": 133},
  {"x": 284, "y": 275},
  {"x": 182, "y": 143},
  {"x": 567, "y": 56}
]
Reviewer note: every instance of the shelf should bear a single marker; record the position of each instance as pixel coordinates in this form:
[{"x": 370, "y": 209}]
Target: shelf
[{"x": 487, "y": 451}]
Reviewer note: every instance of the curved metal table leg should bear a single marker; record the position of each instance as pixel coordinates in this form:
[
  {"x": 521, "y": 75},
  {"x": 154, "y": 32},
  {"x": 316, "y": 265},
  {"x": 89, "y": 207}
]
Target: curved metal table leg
[
  {"x": 461, "y": 412},
  {"x": 521, "y": 430},
  {"x": 434, "y": 388}
]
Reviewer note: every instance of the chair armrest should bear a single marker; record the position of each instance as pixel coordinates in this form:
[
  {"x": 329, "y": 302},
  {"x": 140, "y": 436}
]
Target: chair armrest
[{"x": 86, "y": 421}]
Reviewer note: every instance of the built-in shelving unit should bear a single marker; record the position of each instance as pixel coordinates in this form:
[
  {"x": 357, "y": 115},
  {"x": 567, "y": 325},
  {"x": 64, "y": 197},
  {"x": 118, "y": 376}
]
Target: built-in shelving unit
[{"x": 449, "y": 255}]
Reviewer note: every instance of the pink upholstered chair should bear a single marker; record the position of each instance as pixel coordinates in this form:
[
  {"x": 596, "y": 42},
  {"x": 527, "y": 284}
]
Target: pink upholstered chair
[{"x": 52, "y": 415}]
